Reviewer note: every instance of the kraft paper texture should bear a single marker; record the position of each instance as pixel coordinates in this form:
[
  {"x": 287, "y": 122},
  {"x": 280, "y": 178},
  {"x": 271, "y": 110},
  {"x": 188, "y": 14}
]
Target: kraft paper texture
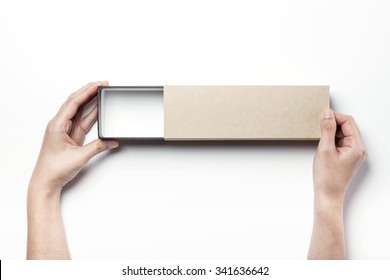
[{"x": 244, "y": 112}]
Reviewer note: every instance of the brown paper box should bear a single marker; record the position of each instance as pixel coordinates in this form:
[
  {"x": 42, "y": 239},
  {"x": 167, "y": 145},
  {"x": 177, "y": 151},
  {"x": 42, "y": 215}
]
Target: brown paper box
[
  {"x": 244, "y": 112},
  {"x": 193, "y": 113}
]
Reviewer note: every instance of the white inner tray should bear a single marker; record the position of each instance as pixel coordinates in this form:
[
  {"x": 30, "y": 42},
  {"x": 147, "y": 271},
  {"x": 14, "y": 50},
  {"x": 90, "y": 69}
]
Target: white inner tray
[{"x": 132, "y": 112}]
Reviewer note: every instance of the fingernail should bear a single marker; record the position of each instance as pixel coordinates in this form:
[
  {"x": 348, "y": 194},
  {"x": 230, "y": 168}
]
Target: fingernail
[
  {"x": 328, "y": 114},
  {"x": 112, "y": 144}
]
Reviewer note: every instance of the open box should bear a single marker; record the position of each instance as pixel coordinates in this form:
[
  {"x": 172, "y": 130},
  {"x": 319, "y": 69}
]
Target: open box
[{"x": 191, "y": 113}]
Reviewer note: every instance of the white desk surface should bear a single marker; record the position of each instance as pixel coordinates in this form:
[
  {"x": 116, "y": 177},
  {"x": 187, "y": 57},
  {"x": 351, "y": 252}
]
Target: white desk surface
[{"x": 195, "y": 201}]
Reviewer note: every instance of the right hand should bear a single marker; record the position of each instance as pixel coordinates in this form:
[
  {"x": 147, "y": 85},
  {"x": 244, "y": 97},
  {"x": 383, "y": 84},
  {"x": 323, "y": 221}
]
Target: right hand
[{"x": 339, "y": 155}]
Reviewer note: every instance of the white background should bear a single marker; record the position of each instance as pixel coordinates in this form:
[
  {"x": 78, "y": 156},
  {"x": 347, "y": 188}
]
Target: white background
[{"x": 194, "y": 201}]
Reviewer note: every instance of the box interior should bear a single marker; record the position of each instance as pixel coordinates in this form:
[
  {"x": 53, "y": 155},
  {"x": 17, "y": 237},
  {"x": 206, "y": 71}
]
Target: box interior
[{"x": 131, "y": 112}]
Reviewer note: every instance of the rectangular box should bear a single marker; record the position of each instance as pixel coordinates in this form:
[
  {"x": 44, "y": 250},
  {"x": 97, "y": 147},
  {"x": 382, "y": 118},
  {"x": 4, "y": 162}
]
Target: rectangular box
[{"x": 191, "y": 113}]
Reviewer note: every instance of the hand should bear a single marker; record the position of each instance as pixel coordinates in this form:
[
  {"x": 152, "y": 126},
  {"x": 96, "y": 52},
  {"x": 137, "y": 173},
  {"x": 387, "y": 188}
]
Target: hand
[
  {"x": 340, "y": 154},
  {"x": 62, "y": 154}
]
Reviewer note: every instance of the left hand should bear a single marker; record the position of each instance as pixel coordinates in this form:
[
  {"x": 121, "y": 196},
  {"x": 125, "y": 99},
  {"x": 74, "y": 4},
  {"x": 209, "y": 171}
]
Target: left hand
[{"x": 63, "y": 154}]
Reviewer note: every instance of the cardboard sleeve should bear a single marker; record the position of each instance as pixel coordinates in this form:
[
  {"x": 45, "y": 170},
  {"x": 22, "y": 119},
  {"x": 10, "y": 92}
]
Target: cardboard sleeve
[{"x": 244, "y": 112}]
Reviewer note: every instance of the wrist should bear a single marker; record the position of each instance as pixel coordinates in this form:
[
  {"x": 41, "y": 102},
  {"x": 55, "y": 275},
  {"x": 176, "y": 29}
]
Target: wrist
[
  {"x": 43, "y": 190},
  {"x": 43, "y": 203},
  {"x": 329, "y": 195},
  {"x": 328, "y": 205}
]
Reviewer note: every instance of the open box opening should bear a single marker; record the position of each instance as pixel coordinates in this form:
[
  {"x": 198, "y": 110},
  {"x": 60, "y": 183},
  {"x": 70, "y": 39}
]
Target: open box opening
[{"x": 131, "y": 112}]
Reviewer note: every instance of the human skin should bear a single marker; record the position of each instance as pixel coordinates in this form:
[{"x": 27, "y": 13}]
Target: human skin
[
  {"x": 339, "y": 156},
  {"x": 61, "y": 158}
]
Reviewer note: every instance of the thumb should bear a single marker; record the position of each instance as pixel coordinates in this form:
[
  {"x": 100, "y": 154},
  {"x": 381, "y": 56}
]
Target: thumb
[
  {"x": 328, "y": 131},
  {"x": 96, "y": 147}
]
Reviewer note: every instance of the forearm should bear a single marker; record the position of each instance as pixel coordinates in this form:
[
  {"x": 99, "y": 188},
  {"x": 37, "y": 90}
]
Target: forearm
[
  {"x": 46, "y": 234},
  {"x": 327, "y": 241}
]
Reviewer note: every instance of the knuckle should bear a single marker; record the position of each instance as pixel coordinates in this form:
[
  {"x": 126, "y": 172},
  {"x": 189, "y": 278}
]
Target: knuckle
[
  {"x": 350, "y": 118},
  {"x": 363, "y": 152},
  {"x": 349, "y": 141},
  {"x": 51, "y": 125},
  {"x": 72, "y": 100},
  {"x": 70, "y": 97},
  {"x": 99, "y": 146}
]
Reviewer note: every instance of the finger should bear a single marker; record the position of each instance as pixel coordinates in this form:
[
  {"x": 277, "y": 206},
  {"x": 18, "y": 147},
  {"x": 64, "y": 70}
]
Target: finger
[
  {"x": 345, "y": 142},
  {"x": 78, "y": 99},
  {"x": 328, "y": 131},
  {"x": 73, "y": 96},
  {"x": 348, "y": 125},
  {"x": 96, "y": 147},
  {"x": 76, "y": 124},
  {"x": 68, "y": 126},
  {"x": 99, "y": 83},
  {"x": 87, "y": 122},
  {"x": 81, "y": 127},
  {"x": 76, "y": 133}
]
